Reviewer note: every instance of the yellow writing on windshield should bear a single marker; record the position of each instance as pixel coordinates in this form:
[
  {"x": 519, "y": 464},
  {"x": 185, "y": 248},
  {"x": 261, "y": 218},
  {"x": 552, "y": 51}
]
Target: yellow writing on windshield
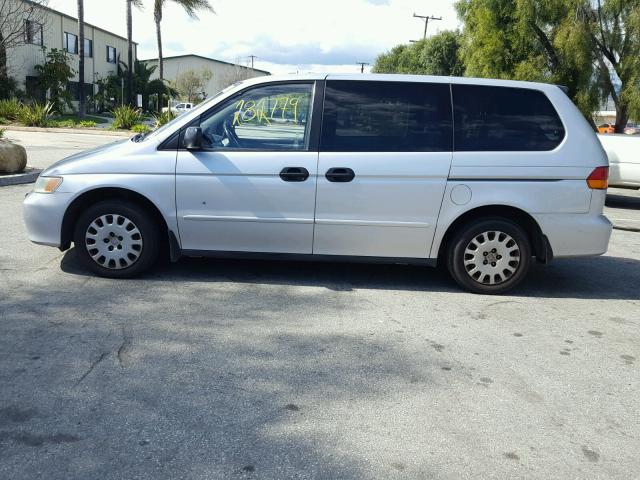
[{"x": 266, "y": 110}]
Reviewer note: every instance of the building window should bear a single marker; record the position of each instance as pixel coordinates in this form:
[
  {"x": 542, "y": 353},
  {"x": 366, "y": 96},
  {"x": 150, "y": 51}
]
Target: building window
[
  {"x": 70, "y": 42},
  {"x": 88, "y": 48},
  {"x": 74, "y": 90},
  {"x": 111, "y": 54},
  {"x": 34, "y": 89},
  {"x": 33, "y": 32}
]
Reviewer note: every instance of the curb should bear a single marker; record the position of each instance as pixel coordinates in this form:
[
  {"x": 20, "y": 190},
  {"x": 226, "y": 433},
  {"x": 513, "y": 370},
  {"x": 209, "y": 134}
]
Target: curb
[
  {"x": 29, "y": 175},
  {"x": 84, "y": 131}
]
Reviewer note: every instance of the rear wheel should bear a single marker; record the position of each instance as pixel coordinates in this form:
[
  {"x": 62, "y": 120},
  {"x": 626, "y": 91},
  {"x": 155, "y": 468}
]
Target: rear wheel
[
  {"x": 116, "y": 239},
  {"x": 489, "y": 256}
]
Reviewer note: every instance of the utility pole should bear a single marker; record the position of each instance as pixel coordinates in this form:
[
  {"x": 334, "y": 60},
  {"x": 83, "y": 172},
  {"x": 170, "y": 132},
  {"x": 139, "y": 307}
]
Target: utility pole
[
  {"x": 252, "y": 57},
  {"x": 362, "y": 65},
  {"x": 426, "y": 19}
]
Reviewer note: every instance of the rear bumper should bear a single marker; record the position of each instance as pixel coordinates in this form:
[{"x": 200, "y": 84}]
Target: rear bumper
[
  {"x": 576, "y": 235},
  {"x": 43, "y": 214}
]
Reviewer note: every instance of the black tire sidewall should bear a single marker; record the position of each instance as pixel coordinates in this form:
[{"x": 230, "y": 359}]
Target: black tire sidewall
[
  {"x": 455, "y": 257},
  {"x": 149, "y": 231}
]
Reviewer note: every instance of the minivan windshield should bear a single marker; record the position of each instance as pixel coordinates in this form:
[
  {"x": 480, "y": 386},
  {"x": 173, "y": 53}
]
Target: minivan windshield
[{"x": 201, "y": 106}]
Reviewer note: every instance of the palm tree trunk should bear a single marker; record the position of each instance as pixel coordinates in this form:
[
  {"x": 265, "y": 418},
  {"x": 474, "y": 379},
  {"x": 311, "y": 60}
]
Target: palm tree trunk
[
  {"x": 157, "y": 17},
  {"x": 81, "y": 104},
  {"x": 129, "y": 54}
]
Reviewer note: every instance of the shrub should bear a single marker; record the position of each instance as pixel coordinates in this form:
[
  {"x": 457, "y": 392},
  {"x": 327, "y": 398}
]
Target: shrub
[
  {"x": 126, "y": 117},
  {"x": 87, "y": 124},
  {"x": 1, "y": 133},
  {"x": 36, "y": 115},
  {"x": 10, "y": 109},
  {"x": 140, "y": 128},
  {"x": 164, "y": 117},
  {"x": 62, "y": 123}
]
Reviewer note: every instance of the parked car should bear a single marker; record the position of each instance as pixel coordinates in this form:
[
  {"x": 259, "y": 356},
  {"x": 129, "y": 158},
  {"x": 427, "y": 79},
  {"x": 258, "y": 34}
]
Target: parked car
[
  {"x": 606, "y": 128},
  {"x": 180, "y": 108},
  {"x": 623, "y": 152},
  {"x": 632, "y": 129},
  {"x": 480, "y": 175}
]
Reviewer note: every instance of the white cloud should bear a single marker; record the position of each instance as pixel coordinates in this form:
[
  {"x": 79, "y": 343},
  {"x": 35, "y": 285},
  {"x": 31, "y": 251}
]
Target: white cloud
[{"x": 286, "y": 35}]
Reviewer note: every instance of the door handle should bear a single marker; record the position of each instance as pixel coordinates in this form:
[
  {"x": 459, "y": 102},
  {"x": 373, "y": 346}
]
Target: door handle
[
  {"x": 340, "y": 174},
  {"x": 294, "y": 174}
]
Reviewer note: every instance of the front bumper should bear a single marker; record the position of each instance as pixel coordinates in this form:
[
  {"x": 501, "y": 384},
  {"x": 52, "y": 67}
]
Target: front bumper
[
  {"x": 43, "y": 214},
  {"x": 576, "y": 235}
]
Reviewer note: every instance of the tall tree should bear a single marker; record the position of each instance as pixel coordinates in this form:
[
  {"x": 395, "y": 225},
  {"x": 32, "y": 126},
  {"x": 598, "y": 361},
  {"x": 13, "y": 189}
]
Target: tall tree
[
  {"x": 130, "y": 92},
  {"x": 436, "y": 55},
  {"x": 588, "y": 45},
  {"x": 190, "y": 6},
  {"x": 81, "y": 53}
]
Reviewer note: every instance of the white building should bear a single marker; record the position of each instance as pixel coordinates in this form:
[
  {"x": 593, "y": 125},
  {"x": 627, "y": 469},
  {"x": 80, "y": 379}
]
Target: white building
[
  {"x": 223, "y": 73},
  {"x": 55, "y": 29}
]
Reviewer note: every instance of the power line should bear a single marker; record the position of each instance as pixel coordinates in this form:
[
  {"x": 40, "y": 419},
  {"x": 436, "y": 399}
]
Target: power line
[
  {"x": 362, "y": 65},
  {"x": 426, "y": 19}
]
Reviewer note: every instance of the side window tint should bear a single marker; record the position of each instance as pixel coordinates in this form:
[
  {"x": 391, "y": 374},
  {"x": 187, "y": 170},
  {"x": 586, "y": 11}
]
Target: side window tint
[
  {"x": 370, "y": 116},
  {"x": 504, "y": 119},
  {"x": 272, "y": 117}
]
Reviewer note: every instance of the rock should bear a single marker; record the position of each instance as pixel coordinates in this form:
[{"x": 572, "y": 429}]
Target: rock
[{"x": 13, "y": 158}]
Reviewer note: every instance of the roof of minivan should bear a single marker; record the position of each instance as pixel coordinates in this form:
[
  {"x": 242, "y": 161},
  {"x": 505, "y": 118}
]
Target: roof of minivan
[{"x": 404, "y": 78}]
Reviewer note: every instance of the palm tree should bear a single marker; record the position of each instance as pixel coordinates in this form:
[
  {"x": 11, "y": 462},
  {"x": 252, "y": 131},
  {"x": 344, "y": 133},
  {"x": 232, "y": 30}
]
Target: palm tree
[
  {"x": 137, "y": 3},
  {"x": 142, "y": 82},
  {"x": 190, "y": 6},
  {"x": 81, "y": 105}
]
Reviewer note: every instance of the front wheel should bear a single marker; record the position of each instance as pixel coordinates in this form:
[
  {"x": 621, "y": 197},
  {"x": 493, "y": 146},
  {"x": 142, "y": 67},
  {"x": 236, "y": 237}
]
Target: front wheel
[
  {"x": 116, "y": 239},
  {"x": 489, "y": 256}
]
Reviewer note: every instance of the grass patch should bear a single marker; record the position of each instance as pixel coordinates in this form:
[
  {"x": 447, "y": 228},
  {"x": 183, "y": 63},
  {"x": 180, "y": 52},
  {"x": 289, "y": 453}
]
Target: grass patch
[{"x": 76, "y": 118}]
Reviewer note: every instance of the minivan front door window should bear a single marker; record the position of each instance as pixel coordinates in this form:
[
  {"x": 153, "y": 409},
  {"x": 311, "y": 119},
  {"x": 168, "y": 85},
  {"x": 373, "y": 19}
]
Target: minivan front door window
[{"x": 274, "y": 117}]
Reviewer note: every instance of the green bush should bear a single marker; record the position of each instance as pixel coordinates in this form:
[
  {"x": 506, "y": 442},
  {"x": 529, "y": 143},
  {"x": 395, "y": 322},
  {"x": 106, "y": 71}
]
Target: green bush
[
  {"x": 164, "y": 117},
  {"x": 87, "y": 124},
  {"x": 140, "y": 128},
  {"x": 3, "y": 121},
  {"x": 1, "y": 133},
  {"x": 125, "y": 117},
  {"x": 62, "y": 123},
  {"x": 10, "y": 109},
  {"x": 36, "y": 115}
]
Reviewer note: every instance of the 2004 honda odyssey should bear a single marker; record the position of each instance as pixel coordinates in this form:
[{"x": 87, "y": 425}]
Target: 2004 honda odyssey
[{"x": 482, "y": 175}]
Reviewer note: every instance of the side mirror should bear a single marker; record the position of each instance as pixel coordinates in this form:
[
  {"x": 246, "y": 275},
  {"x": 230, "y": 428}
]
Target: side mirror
[{"x": 193, "y": 138}]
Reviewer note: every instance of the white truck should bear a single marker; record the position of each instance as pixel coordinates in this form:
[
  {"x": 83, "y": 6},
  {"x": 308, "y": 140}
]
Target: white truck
[
  {"x": 179, "y": 108},
  {"x": 624, "y": 159}
]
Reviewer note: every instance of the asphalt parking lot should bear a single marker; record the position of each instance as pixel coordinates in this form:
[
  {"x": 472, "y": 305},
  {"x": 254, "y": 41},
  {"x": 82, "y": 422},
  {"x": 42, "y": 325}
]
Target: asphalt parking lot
[{"x": 210, "y": 369}]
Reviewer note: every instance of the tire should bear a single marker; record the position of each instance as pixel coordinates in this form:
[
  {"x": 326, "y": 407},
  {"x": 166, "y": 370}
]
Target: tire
[
  {"x": 126, "y": 245},
  {"x": 489, "y": 255}
]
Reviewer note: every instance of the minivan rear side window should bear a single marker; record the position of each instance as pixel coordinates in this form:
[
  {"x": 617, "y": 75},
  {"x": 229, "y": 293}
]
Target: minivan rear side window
[
  {"x": 503, "y": 119},
  {"x": 371, "y": 116}
]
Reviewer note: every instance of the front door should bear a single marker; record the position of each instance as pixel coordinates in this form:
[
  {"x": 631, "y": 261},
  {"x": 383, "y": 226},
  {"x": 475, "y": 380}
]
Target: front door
[
  {"x": 385, "y": 154},
  {"x": 252, "y": 186}
]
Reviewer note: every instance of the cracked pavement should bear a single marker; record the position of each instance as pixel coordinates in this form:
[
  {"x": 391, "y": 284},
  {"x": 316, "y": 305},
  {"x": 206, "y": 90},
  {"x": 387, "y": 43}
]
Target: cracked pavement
[{"x": 226, "y": 369}]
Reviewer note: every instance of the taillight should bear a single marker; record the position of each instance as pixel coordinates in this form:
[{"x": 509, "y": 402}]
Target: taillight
[{"x": 599, "y": 178}]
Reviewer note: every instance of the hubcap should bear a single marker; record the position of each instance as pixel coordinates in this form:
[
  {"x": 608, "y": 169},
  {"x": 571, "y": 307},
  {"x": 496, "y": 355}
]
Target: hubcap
[
  {"x": 491, "y": 258},
  {"x": 113, "y": 241}
]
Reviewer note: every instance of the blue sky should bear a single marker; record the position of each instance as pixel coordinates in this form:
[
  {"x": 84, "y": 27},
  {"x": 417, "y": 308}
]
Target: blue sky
[{"x": 286, "y": 35}]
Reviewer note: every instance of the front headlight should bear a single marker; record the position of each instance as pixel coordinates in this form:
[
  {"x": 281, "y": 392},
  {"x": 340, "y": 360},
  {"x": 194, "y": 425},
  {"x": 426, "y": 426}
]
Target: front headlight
[{"x": 47, "y": 184}]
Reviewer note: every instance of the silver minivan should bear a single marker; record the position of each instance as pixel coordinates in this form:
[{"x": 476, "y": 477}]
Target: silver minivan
[{"x": 482, "y": 176}]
